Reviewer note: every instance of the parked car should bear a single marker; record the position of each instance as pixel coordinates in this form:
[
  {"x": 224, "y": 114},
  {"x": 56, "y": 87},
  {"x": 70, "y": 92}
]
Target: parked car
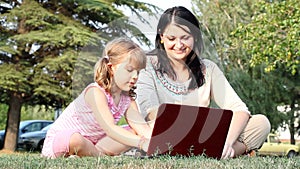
[
  {"x": 34, "y": 140},
  {"x": 273, "y": 146},
  {"x": 25, "y": 127}
]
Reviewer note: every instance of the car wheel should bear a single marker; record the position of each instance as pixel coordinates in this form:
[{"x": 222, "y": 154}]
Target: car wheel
[
  {"x": 29, "y": 148},
  {"x": 40, "y": 145},
  {"x": 291, "y": 154}
]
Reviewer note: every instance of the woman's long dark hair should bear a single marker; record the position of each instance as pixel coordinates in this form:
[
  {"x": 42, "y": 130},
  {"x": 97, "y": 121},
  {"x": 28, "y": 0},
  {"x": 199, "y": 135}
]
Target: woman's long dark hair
[{"x": 181, "y": 16}]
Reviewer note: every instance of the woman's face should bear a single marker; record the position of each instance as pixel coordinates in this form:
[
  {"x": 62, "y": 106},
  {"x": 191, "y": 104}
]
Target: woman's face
[{"x": 178, "y": 41}]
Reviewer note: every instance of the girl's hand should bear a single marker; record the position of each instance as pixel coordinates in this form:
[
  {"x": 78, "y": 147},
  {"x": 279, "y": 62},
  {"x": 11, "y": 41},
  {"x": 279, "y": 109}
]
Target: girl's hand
[
  {"x": 151, "y": 116},
  {"x": 145, "y": 145},
  {"x": 151, "y": 113}
]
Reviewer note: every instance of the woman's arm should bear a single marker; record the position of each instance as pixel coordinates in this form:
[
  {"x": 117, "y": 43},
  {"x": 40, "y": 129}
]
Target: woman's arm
[
  {"x": 96, "y": 99},
  {"x": 225, "y": 97},
  {"x": 238, "y": 123}
]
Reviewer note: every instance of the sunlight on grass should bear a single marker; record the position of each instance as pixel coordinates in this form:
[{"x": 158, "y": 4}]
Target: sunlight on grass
[{"x": 34, "y": 160}]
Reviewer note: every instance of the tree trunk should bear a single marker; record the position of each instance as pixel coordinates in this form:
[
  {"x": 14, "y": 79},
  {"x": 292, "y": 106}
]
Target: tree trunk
[
  {"x": 292, "y": 130},
  {"x": 13, "y": 121},
  {"x": 292, "y": 122}
]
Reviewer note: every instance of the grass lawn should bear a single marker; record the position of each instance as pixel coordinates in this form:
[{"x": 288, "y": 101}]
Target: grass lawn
[{"x": 26, "y": 160}]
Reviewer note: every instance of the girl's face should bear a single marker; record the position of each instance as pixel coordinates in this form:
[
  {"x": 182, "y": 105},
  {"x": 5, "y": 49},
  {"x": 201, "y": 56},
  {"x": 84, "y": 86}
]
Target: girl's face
[
  {"x": 125, "y": 74},
  {"x": 178, "y": 41}
]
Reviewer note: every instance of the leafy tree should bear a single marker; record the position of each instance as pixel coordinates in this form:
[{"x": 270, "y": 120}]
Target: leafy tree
[
  {"x": 262, "y": 91},
  {"x": 27, "y": 113},
  {"x": 289, "y": 98},
  {"x": 3, "y": 111},
  {"x": 272, "y": 36},
  {"x": 37, "y": 112},
  {"x": 272, "y": 39},
  {"x": 40, "y": 43},
  {"x": 219, "y": 18}
]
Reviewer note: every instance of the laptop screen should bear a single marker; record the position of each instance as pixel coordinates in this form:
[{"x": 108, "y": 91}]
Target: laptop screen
[{"x": 189, "y": 130}]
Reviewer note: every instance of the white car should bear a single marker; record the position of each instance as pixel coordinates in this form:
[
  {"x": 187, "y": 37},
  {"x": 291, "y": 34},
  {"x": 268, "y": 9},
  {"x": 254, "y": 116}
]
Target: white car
[
  {"x": 25, "y": 127},
  {"x": 34, "y": 140}
]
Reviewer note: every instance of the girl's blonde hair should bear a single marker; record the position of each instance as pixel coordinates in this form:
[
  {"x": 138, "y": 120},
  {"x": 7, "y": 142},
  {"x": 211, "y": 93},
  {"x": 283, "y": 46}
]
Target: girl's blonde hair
[{"x": 115, "y": 52}]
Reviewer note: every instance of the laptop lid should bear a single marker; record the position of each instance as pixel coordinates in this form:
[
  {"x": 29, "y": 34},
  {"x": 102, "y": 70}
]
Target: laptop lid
[{"x": 189, "y": 130}]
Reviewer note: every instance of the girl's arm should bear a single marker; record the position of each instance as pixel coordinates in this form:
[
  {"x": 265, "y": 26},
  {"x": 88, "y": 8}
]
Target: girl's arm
[
  {"x": 96, "y": 99},
  {"x": 137, "y": 122}
]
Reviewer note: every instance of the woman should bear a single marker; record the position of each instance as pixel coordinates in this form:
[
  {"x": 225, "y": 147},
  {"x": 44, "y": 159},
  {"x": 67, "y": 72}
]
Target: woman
[{"x": 176, "y": 73}]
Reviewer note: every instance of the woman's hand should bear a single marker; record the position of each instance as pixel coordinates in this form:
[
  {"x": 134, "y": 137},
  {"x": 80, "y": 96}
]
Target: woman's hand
[
  {"x": 232, "y": 147},
  {"x": 228, "y": 151}
]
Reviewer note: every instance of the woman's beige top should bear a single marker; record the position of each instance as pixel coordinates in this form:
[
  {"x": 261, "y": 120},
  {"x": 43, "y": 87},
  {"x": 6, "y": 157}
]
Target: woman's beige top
[{"x": 154, "y": 89}]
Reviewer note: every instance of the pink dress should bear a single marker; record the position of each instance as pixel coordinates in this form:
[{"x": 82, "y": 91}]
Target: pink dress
[{"x": 78, "y": 117}]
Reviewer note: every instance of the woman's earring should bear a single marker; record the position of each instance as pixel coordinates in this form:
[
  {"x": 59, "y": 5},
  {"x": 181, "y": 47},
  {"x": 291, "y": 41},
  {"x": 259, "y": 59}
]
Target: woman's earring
[{"x": 161, "y": 41}]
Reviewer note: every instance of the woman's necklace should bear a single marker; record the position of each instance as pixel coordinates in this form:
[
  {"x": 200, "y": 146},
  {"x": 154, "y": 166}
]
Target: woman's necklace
[{"x": 179, "y": 89}]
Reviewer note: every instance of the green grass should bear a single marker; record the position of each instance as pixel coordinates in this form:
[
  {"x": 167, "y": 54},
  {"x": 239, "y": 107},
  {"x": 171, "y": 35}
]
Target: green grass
[{"x": 34, "y": 161}]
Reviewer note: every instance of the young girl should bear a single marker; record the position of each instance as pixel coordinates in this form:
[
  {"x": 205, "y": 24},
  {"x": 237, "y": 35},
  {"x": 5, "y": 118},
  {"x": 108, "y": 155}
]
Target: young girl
[{"x": 88, "y": 126}]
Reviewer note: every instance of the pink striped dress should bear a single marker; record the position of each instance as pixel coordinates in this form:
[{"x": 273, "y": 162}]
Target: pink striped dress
[{"x": 79, "y": 117}]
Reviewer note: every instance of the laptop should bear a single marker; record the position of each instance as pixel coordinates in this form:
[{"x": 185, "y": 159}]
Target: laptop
[{"x": 189, "y": 130}]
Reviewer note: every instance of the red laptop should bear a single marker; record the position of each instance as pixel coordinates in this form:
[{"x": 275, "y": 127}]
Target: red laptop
[{"x": 189, "y": 130}]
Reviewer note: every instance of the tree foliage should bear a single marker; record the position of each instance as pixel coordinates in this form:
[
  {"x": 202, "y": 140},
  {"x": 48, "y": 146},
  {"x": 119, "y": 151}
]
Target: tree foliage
[
  {"x": 271, "y": 39},
  {"x": 273, "y": 35},
  {"x": 242, "y": 32},
  {"x": 219, "y": 18},
  {"x": 3, "y": 111}
]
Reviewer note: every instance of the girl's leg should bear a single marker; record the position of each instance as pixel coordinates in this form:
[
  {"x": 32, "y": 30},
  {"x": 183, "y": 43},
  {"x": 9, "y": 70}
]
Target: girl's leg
[
  {"x": 82, "y": 147},
  {"x": 70, "y": 142},
  {"x": 111, "y": 147}
]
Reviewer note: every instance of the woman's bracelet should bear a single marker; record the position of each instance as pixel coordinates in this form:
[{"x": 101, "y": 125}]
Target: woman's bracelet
[{"x": 141, "y": 142}]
